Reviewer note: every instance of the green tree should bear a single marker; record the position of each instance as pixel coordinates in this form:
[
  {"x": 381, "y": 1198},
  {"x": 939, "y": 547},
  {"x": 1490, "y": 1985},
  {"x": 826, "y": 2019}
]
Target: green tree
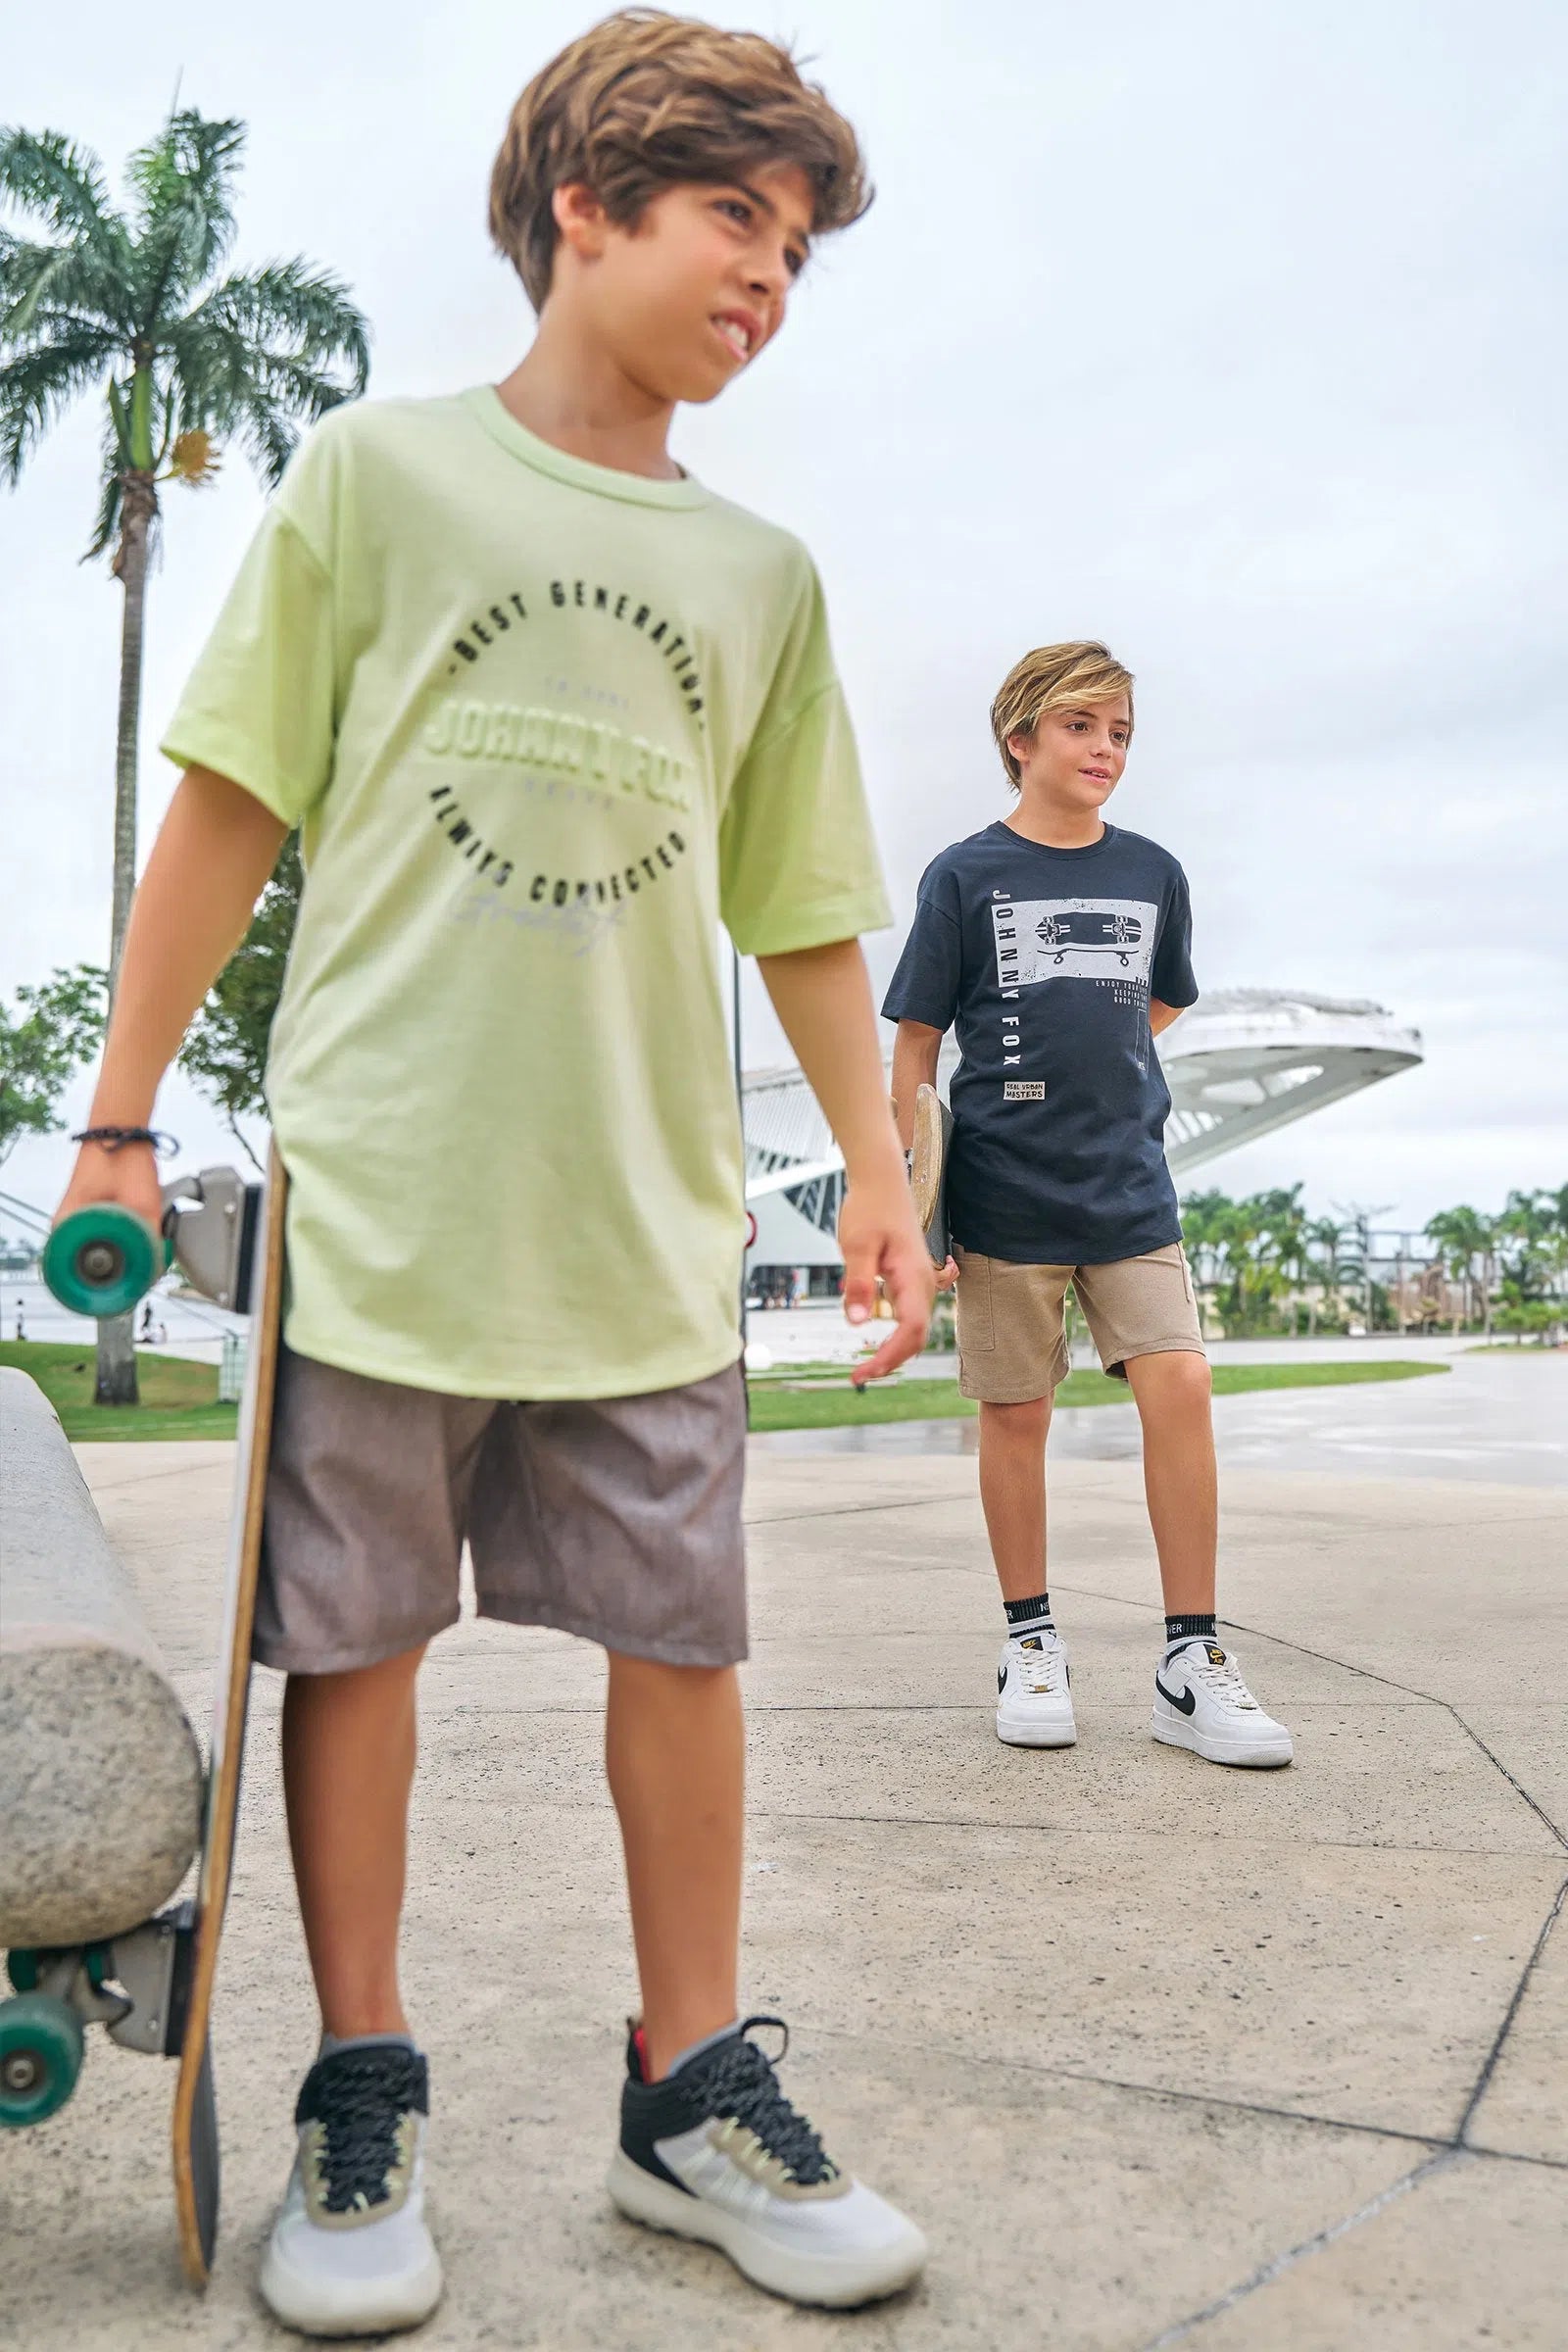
[
  {"x": 225, "y": 1046},
  {"x": 1283, "y": 1256},
  {"x": 1322, "y": 1235},
  {"x": 133, "y": 302},
  {"x": 44, "y": 1040},
  {"x": 1204, "y": 1226},
  {"x": 1463, "y": 1238},
  {"x": 1525, "y": 1230}
]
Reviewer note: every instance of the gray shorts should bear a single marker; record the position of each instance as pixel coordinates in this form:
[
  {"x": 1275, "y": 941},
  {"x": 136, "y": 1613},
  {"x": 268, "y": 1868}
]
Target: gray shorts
[{"x": 619, "y": 1518}]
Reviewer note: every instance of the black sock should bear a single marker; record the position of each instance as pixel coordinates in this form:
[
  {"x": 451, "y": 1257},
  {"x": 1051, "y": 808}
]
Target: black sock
[
  {"x": 1194, "y": 1627},
  {"x": 1025, "y": 1617}
]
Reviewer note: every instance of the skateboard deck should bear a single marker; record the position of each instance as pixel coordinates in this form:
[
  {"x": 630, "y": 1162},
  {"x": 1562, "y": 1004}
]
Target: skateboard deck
[
  {"x": 194, "y": 2124},
  {"x": 150, "y": 1985},
  {"x": 928, "y": 1169}
]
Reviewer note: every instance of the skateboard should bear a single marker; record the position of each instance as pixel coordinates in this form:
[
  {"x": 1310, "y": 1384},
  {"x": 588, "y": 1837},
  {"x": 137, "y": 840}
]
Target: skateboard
[
  {"x": 928, "y": 1169},
  {"x": 152, "y": 1986}
]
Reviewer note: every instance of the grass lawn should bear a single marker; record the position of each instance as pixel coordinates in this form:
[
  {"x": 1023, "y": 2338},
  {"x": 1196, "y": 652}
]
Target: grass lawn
[
  {"x": 178, "y": 1398},
  {"x": 785, "y": 1400}
]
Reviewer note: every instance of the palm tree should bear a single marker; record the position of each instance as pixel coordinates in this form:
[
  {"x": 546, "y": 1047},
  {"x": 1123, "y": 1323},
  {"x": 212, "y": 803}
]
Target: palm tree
[
  {"x": 1322, "y": 1233},
  {"x": 130, "y": 303},
  {"x": 1464, "y": 1236},
  {"x": 1204, "y": 1220},
  {"x": 1284, "y": 1250}
]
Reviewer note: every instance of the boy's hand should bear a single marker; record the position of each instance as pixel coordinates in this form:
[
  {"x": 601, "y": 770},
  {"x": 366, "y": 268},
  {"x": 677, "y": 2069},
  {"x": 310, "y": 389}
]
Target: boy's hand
[
  {"x": 878, "y": 1236},
  {"x": 947, "y": 1276},
  {"x": 129, "y": 1177}
]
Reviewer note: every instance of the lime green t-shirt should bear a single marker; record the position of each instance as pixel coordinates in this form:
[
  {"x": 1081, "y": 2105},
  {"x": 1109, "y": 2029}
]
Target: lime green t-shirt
[{"x": 544, "y": 725}]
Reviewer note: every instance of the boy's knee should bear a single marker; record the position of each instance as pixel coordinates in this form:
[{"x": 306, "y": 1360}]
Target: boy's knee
[
  {"x": 1179, "y": 1375},
  {"x": 1013, "y": 1423},
  {"x": 659, "y": 1675}
]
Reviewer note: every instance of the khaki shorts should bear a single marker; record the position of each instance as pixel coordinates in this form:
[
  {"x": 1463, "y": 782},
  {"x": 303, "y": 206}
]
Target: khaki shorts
[
  {"x": 1012, "y": 1343},
  {"x": 619, "y": 1518}
]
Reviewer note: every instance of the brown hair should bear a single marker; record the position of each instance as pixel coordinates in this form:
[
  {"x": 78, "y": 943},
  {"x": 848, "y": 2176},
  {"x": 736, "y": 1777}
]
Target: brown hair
[
  {"x": 647, "y": 101},
  {"x": 1055, "y": 677}
]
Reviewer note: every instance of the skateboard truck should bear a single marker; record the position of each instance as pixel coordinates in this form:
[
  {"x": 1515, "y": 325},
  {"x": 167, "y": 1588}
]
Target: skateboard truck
[
  {"x": 104, "y": 1260},
  {"x": 134, "y": 1985},
  {"x": 210, "y": 1222}
]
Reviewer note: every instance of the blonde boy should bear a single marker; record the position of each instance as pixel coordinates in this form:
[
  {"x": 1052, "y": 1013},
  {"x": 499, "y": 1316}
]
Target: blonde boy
[{"x": 1058, "y": 946}]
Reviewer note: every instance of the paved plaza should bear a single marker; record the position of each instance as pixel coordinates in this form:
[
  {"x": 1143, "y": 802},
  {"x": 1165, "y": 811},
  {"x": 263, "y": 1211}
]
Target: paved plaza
[{"x": 1158, "y": 2054}]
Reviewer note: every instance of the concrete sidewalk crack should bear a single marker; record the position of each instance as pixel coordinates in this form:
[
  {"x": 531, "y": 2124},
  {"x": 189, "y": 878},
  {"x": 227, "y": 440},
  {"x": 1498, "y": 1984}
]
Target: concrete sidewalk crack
[
  {"x": 854, "y": 1510},
  {"x": 1267, "y": 2271},
  {"x": 1369, "y": 1674},
  {"x": 1437, "y": 2142},
  {"x": 1484, "y": 2079}
]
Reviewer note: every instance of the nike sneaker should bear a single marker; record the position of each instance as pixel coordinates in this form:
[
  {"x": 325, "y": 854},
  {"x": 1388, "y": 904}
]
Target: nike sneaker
[
  {"x": 1202, "y": 1703},
  {"x": 717, "y": 2152},
  {"x": 350, "y": 2253},
  {"x": 1034, "y": 1693}
]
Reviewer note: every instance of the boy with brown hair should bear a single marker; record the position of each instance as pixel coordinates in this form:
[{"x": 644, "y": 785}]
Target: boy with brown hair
[
  {"x": 545, "y": 710},
  {"x": 1058, "y": 946}
]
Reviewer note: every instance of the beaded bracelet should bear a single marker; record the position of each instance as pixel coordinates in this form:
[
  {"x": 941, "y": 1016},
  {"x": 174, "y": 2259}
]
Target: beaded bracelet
[{"x": 115, "y": 1138}]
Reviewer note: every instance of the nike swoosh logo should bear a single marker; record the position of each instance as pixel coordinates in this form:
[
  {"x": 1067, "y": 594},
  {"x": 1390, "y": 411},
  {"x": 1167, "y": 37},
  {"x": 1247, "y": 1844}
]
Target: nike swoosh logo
[
  {"x": 1183, "y": 1705},
  {"x": 1001, "y": 1679}
]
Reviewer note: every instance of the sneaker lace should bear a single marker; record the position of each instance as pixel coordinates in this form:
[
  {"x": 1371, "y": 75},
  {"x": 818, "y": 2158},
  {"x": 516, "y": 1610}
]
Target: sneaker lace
[
  {"x": 741, "y": 2082},
  {"x": 1041, "y": 1668},
  {"x": 1226, "y": 1683},
  {"x": 360, "y": 2098}
]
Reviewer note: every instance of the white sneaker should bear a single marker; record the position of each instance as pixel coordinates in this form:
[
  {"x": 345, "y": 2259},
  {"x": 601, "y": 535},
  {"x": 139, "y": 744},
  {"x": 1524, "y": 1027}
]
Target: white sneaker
[
  {"x": 350, "y": 2253},
  {"x": 1202, "y": 1703},
  {"x": 717, "y": 2152},
  {"x": 1034, "y": 1696}
]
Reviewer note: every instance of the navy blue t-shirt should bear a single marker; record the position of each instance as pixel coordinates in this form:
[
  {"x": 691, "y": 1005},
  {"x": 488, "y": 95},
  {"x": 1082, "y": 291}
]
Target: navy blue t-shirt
[{"x": 1045, "y": 961}]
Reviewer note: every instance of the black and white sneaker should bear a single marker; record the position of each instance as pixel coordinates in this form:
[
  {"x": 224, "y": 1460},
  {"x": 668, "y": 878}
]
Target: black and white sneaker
[
  {"x": 717, "y": 2152},
  {"x": 1202, "y": 1703},
  {"x": 350, "y": 2253}
]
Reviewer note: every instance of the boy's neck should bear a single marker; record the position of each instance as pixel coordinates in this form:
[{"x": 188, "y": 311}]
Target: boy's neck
[
  {"x": 578, "y": 400},
  {"x": 1055, "y": 828}
]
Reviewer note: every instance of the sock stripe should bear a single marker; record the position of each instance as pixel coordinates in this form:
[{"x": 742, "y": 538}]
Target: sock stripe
[
  {"x": 1194, "y": 1627},
  {"x": 1030, "y": 1616}
]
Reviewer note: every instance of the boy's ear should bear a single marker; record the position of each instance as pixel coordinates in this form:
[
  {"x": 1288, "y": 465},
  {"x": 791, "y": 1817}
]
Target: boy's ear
[
  {"x": 581, "y": 220},
  {"x": 1022, "y": 744}
]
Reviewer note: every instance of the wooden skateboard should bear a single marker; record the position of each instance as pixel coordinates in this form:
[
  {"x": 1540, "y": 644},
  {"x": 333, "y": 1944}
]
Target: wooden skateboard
[
  {"x": 928, "y": 1169},
  {"x": 152, "y": 1986},
  {"x": 193, "y": 2128}
]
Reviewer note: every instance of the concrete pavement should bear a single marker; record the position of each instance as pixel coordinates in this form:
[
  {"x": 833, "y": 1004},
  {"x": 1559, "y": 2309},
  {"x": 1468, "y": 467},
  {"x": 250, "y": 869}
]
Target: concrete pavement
[
  {"x": 1159, "y": 2054},
  {"x": 1501, "y": 1419}
]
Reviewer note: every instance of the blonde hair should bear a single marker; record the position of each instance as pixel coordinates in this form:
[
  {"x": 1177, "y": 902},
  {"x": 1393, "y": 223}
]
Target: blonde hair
[
  {"x": 1055, "y": 677},
  {"x": 647, "y": 101}
]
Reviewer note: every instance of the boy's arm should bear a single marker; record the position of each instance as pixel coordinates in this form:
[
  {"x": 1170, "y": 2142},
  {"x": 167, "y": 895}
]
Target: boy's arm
[
  {"x": 1160, "y": 1016},
  {"x": 822, "y": 996},
  {"x": 916, "y": 1048},
  {"x": 210, "y": 865}
]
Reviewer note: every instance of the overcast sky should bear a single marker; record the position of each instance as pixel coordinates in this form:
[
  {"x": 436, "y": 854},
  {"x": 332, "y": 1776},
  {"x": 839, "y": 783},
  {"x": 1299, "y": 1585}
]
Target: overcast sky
[{"x": 1230, "y": 334}]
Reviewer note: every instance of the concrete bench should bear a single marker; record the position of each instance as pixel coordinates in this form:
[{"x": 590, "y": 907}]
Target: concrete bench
[{"x": 100, "y": 1774}]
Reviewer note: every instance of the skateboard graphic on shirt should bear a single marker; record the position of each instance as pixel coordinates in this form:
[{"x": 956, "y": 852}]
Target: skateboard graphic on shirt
[
  {"x": 1101, "y": 939},
  {"x": 152, "y": 1986},
  {"x": 1090, "y": 931}
]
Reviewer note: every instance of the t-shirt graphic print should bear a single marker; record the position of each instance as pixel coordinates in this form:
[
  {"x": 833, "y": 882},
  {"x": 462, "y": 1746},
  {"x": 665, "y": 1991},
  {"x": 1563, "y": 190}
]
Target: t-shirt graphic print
[{"x": 1044, "y": 960}]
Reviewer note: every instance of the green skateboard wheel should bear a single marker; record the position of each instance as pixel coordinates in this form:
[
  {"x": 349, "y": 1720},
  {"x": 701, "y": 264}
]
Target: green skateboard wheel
[
  {"x": 25, "y": 1968},
  {"x": 40, "y": 2057},
  {"x": 102, "y": 1260}
]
